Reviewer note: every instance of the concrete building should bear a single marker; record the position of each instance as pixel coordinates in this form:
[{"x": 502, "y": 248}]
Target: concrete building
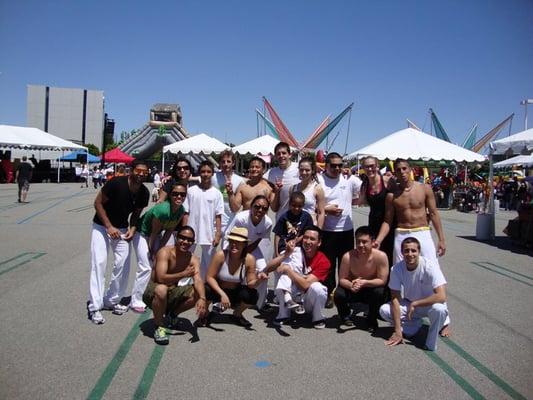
[{"x": 73, "y": 114}]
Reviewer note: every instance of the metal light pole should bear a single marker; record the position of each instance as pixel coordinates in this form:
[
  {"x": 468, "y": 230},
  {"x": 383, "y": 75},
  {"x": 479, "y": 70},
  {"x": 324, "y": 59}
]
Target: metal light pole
[{"x": 525, "y": 103}]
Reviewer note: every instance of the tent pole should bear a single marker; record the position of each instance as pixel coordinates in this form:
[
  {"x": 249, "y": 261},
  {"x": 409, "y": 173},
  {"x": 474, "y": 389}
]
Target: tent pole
[
  {"x": 466, "y": 172},
  {"x": 163, "y": 161},
  {"x": 58, "y": 166},
  {"x": 492, "y": 211}
]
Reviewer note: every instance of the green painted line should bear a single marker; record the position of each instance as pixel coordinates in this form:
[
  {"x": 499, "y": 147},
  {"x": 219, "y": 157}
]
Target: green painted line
[
  {"x": 107, "y": 376},
  {"x": 484, "y": 370},
  {"x": 149, "y": 373},
  {"x": 12, "y": 267},
  {"x": 14, "y": 258},
  {"x": 467, "y": 387},
  {"x": 500, "y": 273},
  {"x": 508, "y": 270}
]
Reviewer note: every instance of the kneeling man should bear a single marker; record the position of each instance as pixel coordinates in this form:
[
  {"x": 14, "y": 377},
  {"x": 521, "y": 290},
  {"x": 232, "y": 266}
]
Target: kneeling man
[
  {"x": 176, "y": 285},
  {"x": 307, "y": 268},
  {"x": 362, "y": 278},
  {"x": 424, "y": 295}
]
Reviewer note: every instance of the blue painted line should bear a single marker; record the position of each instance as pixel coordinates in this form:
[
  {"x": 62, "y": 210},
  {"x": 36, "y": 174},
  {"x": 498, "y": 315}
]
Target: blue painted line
[
  {"x": 263, "y": 364},
  {"x": 22, "y": 221}
]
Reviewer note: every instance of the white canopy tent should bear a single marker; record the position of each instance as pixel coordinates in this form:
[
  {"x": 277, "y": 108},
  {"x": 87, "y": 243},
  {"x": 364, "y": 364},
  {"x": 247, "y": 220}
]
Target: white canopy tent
[
  {"x": 263, "y": 144},
  {"x": 412, "y": 144},
  {"x": 197, "y": 144},
  {"x": 519, "y": 143},
  {"x": 19, "y": 137},
  {"x": 525, "y": 161}
]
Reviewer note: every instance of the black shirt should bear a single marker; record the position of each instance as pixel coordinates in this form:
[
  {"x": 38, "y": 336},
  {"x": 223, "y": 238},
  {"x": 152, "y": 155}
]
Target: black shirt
[
  {"x": 24, "y": 170},
  {"x": 299, "y": 222},
  {"x": 121, "y": 201}
]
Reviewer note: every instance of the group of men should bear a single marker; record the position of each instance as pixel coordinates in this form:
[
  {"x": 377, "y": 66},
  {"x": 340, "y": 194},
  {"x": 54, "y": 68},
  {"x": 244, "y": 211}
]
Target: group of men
[{"x": 312, "y": 262}]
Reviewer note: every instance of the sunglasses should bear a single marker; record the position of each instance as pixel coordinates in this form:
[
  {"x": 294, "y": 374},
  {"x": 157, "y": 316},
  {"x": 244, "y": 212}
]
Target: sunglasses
[
  {"x": 178, "y": 194},
  {"x": 182, "y": 167},
  {"x": 336, "y": 165},
  {"x": 262, "y": 208},
  {"x": 185, "y": 238}
]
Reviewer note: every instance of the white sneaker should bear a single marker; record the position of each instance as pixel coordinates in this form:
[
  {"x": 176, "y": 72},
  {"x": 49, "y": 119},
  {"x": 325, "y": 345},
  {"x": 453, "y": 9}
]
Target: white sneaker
[
  {"x": 300, "y": 310},
  {"x": 290, "y": 304},
  {"x": 97, "y": 317},
  {"x": 118, "y": 309}
]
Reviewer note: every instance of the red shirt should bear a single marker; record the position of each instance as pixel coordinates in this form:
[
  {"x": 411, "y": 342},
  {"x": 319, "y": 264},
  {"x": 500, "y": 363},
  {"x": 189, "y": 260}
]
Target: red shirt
[{"x": 320, "y": 266}]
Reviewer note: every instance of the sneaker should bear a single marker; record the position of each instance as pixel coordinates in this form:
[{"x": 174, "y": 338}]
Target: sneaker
[
  {"x": 290, "y": 304},
  {"x": 160, "y": 335},
  {"x": 138, "y": 310},
  {"x": 347, "y": 321},
  {"x": 279, "y": 321},
  {"x": 217, "y": 308},
  {"x": 119, "y": 309},
  {"x": 97, "y": 317},
  {"x": 300, "y": 310},
  {"x": 266, "y": 309},
  {"x": 319, "y": 324}
]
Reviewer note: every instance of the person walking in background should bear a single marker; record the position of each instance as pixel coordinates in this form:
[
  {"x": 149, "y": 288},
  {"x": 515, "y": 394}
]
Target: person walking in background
[{"x": 23, "y": 178}]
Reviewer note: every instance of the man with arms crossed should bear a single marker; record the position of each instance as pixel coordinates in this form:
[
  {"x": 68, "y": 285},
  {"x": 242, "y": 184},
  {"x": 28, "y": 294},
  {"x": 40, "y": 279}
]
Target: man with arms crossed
[
  {"x": 252, "y": 187},
  {"x": 314, "y": 267},
  {"x": 424, "y": 295},
  {"x": 362, "y": 278},
  {"x": 118, "y": 198},
  {"x": 409, "y": 202},
  {"x": 282, "y": 178},
  {"x": 176, "y": 285}
]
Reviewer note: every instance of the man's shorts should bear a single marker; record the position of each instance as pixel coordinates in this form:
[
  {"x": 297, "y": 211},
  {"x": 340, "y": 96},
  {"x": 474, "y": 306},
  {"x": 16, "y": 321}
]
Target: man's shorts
[
  {"x": 175, "y": 295},
  {"x": 24, "y": 185}
]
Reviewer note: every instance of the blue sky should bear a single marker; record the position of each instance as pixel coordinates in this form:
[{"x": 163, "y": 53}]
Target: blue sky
[{"x": 471, "y": 61}]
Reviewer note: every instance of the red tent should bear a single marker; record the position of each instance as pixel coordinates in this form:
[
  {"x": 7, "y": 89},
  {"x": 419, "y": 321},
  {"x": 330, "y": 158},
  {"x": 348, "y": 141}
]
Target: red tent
[{"x": 117, "y": 156}]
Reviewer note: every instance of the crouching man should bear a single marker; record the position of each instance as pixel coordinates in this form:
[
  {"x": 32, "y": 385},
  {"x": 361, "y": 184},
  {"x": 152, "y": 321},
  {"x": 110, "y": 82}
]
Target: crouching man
[
  {"x": 424, "y": 295},
  {"x": 306, "y": 268},
  {"x": 362, "y": 278},
  {"x": 175, "y": 285}
]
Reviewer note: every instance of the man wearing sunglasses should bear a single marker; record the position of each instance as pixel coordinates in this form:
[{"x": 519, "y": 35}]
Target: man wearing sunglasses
[
  {"x": 118, "y": 198},
  {"x": 176, "y": 285},
  {"x": 338, "y": 238}
]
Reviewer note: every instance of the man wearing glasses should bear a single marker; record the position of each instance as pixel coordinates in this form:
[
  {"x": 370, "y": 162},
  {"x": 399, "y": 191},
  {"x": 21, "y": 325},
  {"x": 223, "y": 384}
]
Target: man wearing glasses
[
  {"x": 176, "y": 285},
  {"x": 118, "y": 198},
  {"x": 340, "y": 193}
]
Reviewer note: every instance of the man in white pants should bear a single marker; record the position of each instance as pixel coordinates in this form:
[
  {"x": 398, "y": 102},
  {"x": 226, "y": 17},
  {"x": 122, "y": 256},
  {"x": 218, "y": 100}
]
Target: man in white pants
[
  {"x": 424, "y": 295},
  {"x": 314, "y": 267},
  {"x": 118, "y": 198}
]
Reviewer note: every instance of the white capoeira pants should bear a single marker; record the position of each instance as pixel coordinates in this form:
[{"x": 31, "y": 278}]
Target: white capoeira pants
[
  {"x": 427, "y": 246},
  {"x": 144, "y": 270},
  {"x": 314, "y": 301},
  {"x": 437, "y": 313},
  {"x": 100, "y": 243}
]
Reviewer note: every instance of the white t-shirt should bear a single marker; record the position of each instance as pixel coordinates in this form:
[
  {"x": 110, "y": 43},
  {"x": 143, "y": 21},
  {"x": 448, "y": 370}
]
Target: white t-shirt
[
  {"x": 243, "y": 220},
  {"x": 157, "y": 180},
  {"x": 206, "y": 205},
  {"x": 340, "y": 191},
  {"x": 219, "y": 181},
  {"x": 289, "y": 177},
  {"x": 417, "y": 284}
]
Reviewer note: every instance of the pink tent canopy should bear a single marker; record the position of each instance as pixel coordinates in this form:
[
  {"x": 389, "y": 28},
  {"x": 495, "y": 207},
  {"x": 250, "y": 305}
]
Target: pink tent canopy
[{"x": 117, "y": 156}]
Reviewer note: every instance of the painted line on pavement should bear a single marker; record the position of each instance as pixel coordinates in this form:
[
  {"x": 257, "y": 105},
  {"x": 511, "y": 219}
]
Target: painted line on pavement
[
  {"x": 29, "y": 255},
  {"x": 467, "y": 387},
  {"x": 22, "y": 221},
  {"x": 484, "y": 370},
  {"x": 143, "y": 389},
  {"x": 500, "y": 273},
  {"x": 107, "y": 376},
  {"x": 508, "y": 270},
  {"x": 83, "y": 208}
]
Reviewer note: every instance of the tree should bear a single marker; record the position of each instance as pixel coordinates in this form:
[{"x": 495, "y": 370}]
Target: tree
[
  {"x": 111, "y": 146},
  {"x": 93, "y": 149}
]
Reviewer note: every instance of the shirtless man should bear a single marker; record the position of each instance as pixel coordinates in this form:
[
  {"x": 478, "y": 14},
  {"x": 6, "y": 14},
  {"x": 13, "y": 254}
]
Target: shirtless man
[
  {"x": 254, "y": 186},
  {"x": 176, "y": 285},
  {"x": 362, "y": 278},
  {"x": 409, "y": 202}
]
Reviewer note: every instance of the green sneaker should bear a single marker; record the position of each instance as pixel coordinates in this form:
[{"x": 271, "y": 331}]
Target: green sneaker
[{"x": 160, "y": 335}]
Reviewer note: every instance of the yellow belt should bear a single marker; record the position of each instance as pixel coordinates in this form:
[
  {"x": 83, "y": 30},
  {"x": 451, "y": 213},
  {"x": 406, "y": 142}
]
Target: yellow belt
[{"x": 411, "y": 230}]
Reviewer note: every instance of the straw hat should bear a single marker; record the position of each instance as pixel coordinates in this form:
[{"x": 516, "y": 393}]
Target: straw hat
[{"x": 238, "y": 234}]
